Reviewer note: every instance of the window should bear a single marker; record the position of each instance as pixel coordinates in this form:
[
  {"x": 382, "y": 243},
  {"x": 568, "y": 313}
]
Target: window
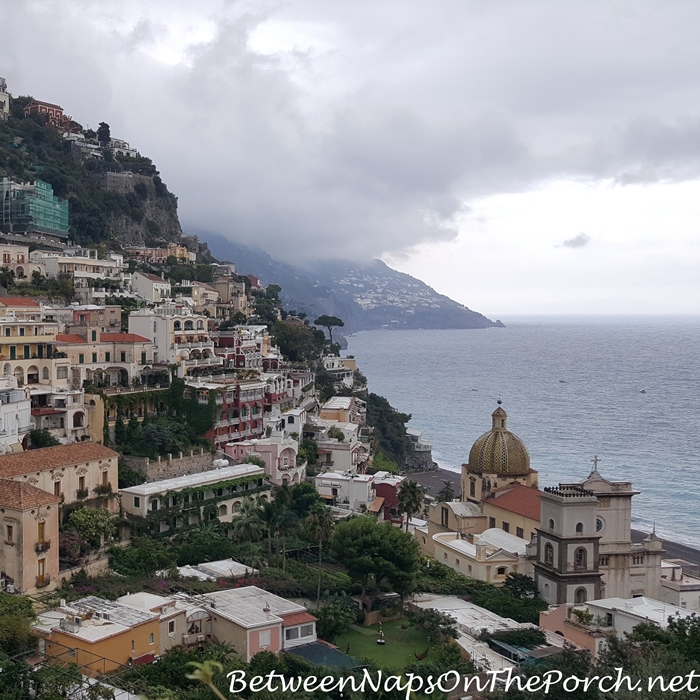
[
  {"x": 492, "y": 522},
  {"x": 143, "y": 358},
  {"x": 551, "y": 524},
  {"x": 7, "y": 332},
  {"x": 638, "y": 559},
  {"x": 472, "y": 487},
  {"x": 108, "y": 357},
  {"x": 171, "y": 627},
  {"x": 506, "y": 527},
  {"x": 94, "y": 357},
  {"x": 519, "y": 532},
  {"x": 62, "y": 372},
  {"x": 45, "y": 373},
  {"x": 456, "y": 562},
  {"x": 21, "y": 331},
  {"x": 56, "y": 488},
  {"x": 445, "y": 556},
  {"x": 580, "y": 558},
  {"x": 501, "y": 571},
  {"x": 10, "y": 535},
  {"x": 444, "y": 516},
  {"x": 137, "y": 502},
  {"x": 81, "y": 359},
  {"x": 580, "y": 596},
  {"x": 579, "y": 527},
  {"x": 81, "y": 483},
  {"x": 292, "y": 633},
  {"x": 306, "y": 630},
  {"x": 154, "y": 504},
  {"x": 264, "y": 638},
  {"x": 151, "y": 638},
  {"x": 549, "y": 554},
  {"x": 290, "y": 420},
  {"x": 94, "y": 336},
  {"x": 40, "y": 530},
  {"x": 133, "y": 645},
  {"x": 122, "y": 357},
  {"x": 603, "y": 561}
]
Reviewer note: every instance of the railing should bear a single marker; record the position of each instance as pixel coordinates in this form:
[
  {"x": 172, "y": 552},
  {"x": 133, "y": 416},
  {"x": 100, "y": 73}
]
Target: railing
[
  {"x": 203, "y": 361},
  {"x": 42, "y": 581},
  {"x": 82, "y": 493},
  {"x": 42, "y": 546},
  {"x": 193, "y": 346}
]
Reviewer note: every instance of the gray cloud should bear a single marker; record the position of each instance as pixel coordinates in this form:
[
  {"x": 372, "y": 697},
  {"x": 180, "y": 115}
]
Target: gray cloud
[
  {"x": 378, "y": 137},
  {"x": 580, "y": 241}
]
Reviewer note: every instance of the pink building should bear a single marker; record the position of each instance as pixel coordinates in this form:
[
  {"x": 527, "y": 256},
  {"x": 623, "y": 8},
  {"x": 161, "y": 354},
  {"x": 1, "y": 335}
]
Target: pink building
[{"x": 278, "y": 453}]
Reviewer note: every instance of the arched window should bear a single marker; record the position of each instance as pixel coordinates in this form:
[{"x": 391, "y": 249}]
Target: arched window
[
  {"x": 223, "y": 510},
  {"x": 78, "y": 420},
  {"x": 579, "y": 527},
  {"x": 551, "y": 524},
  {"x": 580, "y": 558},
  {"x": 177, "y": 326},
  {"x": 546, "y": 591},
  {"x": 580, "y": 596},
  {"x": 45, "y": 373},
  {"x": 501, "y": 571},
  {"x": 189, "y": 326},
  {"x": 549, "y": 554},
  {"x": 200, "y": 325}
]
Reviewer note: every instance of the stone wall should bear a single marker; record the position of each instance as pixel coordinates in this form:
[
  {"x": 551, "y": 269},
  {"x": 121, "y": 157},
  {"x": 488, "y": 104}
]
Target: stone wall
[
  {"x": 420, "y": 462},
  {"x": 171, "y": 466}
]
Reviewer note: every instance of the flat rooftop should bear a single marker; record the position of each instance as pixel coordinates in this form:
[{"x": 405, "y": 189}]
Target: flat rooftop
[
  {"x": 178, "y": 483},
  {"x": 250, "y": 606}
]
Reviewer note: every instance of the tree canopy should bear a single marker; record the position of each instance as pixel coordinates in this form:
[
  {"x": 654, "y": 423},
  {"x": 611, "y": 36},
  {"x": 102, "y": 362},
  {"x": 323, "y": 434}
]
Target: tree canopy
[{"x": 329, "y": 322}]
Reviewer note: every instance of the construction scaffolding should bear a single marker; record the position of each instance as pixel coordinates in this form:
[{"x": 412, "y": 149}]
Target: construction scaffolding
[{"x": 32, "y": 207}]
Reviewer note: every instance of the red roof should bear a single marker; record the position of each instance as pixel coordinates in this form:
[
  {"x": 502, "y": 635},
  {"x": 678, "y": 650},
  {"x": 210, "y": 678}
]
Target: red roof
[
  {"x": 47, "y": 411},
  {"x": 297, "y": 619},
  {"x": 18, "y": 301},
  {"x": 15, "y": 494},
  {"x": 516, "y": 498},
  {"x": 123, "y": 338},
  {"x": 70, "y": 338},
  {"x": 153, "y": 278},
  {"x": 52, "y": 457}
]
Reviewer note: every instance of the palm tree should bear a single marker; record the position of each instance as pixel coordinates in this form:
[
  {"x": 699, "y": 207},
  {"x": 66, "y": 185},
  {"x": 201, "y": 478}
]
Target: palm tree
[
  {"x": 320, "y": 523},
  {"x": 248, "y": 525},
  {"x": 410, "y": 495}
]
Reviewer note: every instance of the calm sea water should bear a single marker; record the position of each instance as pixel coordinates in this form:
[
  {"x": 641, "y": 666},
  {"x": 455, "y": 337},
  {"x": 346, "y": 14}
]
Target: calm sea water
[{"x": 624, "y": 389}]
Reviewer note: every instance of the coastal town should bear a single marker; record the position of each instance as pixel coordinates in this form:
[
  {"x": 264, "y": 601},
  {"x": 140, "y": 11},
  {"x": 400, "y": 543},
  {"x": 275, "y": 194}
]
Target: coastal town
[{"x": 191, "y": 471}]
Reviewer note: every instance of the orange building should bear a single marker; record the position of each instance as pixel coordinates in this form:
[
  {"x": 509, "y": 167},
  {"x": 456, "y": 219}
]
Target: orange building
[{"x": 99, "y": 635}]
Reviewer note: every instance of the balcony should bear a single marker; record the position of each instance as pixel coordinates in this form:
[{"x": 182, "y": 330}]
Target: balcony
[
  {"x": 42, "y": 546},
  {"x": 194, "y": 346},
  {"x": 203, "y": 362},
  {"x": 82, "y": 493},
  {"x": 42, "y": 581}
]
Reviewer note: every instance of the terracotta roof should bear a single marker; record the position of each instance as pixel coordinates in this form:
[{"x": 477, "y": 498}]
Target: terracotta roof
[
  {"x": 47, "y": 411},
  {"x": 297, "y": 619},
  {"x": 52, "y": 457},
  {"x": 15, "y": 494},
  {"x": 517, "y": 498},
  {"x": 123, "y": 338},
  {"x": 70, "y": 338},
  {"x": 18, "y": 301},
  {"x": 153, "y": 278}
]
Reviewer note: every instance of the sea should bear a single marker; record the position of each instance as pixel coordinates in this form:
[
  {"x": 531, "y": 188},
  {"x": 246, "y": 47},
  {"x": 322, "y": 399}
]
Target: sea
[{"x": 624, "y": 390}]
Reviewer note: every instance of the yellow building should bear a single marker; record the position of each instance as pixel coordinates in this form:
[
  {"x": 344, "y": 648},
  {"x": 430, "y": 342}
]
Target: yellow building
[
  {"x": 27, "y": 344},
  {"x": 514, "y": 508},
  {"x": 29, "y": 521},
  {"x": 99, "y": 635}
]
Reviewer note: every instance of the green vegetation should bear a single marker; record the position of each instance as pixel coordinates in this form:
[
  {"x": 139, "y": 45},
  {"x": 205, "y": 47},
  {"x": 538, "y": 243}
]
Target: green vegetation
[
  {"x": 389, "y": 428},
  {"x": 298, "y": 343},
  {"x": 28, "y": 146},
  {"x": 403, "y": 643},
  {"x": 374, "y": 552},
  {"x": 329, "y": 322},
  {"x": 17, "y": 614},
  {"x": 410, "y": 499},
  {"x": 437, "y": 626},
  {"x": 41, "y": 438}
]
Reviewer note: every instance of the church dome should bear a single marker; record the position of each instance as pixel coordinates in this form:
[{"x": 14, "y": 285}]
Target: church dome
[{"x": 499, "y": 451}]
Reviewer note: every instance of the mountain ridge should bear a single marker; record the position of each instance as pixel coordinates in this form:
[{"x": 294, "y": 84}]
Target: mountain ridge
[{"x": 366, "y": 297}]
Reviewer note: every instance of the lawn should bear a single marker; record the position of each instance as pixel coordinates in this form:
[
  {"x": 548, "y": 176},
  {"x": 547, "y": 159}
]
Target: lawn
[{"x": 398, "y": 652}]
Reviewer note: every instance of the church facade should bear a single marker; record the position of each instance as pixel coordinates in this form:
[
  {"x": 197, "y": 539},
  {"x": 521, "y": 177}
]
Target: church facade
[{"x": 578, "y": 535}]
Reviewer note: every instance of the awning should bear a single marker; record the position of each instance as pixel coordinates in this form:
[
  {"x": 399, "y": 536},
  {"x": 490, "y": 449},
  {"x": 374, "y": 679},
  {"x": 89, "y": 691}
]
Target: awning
[{"x": 376, "y": 505}]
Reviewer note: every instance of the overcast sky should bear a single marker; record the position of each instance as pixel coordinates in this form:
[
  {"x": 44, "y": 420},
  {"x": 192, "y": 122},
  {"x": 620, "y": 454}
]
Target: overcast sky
[{"x": 520, "y": 156}]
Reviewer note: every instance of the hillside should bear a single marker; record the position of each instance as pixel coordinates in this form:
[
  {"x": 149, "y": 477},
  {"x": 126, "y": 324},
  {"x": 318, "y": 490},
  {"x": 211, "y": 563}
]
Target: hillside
[
  {"x": 366, "y": 297},
  {"x": 115, "y": 201}
]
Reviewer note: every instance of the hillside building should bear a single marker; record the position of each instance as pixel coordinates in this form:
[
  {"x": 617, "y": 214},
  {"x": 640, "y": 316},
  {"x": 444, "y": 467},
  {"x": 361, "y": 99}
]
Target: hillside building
[{"x": 32, "y": 207}]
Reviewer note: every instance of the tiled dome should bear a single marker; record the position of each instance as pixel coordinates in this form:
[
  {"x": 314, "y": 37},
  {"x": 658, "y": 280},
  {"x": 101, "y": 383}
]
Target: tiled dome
[{"x": 499, "y": 451}]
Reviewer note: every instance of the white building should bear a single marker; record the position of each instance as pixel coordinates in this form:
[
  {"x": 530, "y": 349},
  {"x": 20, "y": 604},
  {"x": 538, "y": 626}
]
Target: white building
[
  {"x": 16, "y": 258},
  {"x": 279, "y": 454},
  {"x": 149, "y": 287},
  {"x": 15, "y": 415},
  {"x": 119, "y": 147},
  {"x": 179, "y": 336},
  {"x": 347, "y": 489},
  {"x": 678, "y": 587}
]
